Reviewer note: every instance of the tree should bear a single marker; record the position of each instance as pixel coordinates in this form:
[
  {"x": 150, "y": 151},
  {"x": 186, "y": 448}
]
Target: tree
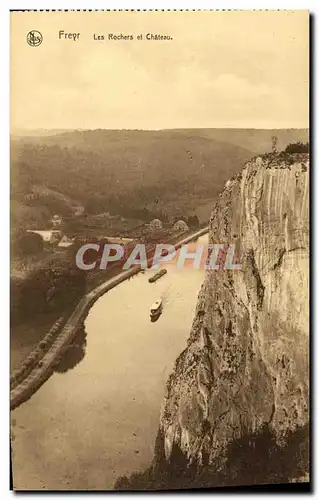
[
  {"x": 29, "y": 244},
  {"x": 297, "y": 147},
  {"x": 193, "y": 221}
]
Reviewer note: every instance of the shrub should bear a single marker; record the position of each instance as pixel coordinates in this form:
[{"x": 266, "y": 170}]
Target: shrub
[
  {"x": 297, "y": 147},
  {"x": 29, "y": 244}
]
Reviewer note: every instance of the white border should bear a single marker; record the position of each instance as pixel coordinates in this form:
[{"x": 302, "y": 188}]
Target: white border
[
  {"x": 4, "y": 184},
  {"x": 165, "y": 4}
]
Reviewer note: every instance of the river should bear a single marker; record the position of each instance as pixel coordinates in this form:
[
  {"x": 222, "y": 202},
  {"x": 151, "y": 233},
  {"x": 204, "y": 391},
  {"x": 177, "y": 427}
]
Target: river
[{"x": 84, "y": 428}]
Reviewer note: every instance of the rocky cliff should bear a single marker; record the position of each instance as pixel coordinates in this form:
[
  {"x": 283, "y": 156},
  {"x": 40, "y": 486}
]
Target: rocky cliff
[
  {"x": 246, "y": 364},
  {"x": 236, "y": 405}
]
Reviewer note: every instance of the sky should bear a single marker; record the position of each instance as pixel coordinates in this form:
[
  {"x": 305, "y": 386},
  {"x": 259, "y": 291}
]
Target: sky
[{"x": 245, "y": 69}]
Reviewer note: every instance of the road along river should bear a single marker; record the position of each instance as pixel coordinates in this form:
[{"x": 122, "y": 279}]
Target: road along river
[{"x": 84, "y": 428}]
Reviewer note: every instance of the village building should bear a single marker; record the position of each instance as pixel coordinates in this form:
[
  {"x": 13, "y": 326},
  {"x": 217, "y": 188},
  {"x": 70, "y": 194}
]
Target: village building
[
  {"x": 56, "y": 220},
  {"x": 155, "y": 224},
  {"x": 50, "y": 236},
  {"x": 180, "y": 226},
  {"x": 65, "y": 242}
]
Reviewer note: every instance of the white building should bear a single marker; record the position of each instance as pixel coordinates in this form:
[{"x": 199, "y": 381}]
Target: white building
[
  {"x": 51, "y": 237},
  {"x": 56, "y": 220},
  {"x": 65, "y": 242},
  {"x": 155, "y": 224},
  {"x": 180, "y": 225}
]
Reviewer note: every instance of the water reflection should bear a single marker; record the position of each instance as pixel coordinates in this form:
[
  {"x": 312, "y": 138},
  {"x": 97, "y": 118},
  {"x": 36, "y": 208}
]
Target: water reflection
[{"x": 74, "y": 353}]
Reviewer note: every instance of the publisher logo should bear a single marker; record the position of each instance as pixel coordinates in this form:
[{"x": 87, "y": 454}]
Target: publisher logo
[{"x": 34, "y": 38}]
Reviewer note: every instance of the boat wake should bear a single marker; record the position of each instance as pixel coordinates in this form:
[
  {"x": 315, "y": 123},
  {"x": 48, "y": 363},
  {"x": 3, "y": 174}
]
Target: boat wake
[{"x": 166, "y": 295}]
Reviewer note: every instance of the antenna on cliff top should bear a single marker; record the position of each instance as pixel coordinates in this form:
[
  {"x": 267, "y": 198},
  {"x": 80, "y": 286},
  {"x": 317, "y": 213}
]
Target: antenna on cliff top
[{"x": 274, "y": 141}]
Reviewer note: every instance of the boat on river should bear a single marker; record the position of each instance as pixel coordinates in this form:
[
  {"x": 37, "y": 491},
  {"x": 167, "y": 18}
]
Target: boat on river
[
  {"x": 156, "y": 308},
  {"x": 157, "y": 275}
]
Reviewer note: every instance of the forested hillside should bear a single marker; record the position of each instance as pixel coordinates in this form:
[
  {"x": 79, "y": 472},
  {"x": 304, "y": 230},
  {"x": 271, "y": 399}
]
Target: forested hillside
[{"x": 123, "y": 170}]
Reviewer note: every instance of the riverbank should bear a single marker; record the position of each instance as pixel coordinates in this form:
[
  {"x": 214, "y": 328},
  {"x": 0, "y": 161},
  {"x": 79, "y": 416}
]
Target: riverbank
[
  {"x": 118, "y": 385},
  {"x": 45, "y": 366}
]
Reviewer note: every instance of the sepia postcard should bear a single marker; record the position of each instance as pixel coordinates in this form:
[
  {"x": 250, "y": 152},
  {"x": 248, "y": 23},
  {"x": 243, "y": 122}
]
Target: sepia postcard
[{"x": 159, "y": 250}]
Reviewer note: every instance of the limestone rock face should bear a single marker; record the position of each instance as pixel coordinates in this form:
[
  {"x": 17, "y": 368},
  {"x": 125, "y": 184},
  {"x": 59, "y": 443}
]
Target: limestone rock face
[{"x": 246, "y": 363}]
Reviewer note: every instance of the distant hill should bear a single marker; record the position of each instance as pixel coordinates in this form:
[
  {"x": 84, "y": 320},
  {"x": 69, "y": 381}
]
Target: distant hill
[
  {"x": 257, "y": 140},
  {"x": 41, "y": 132},
  {"x": 123, "y": 170}
]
